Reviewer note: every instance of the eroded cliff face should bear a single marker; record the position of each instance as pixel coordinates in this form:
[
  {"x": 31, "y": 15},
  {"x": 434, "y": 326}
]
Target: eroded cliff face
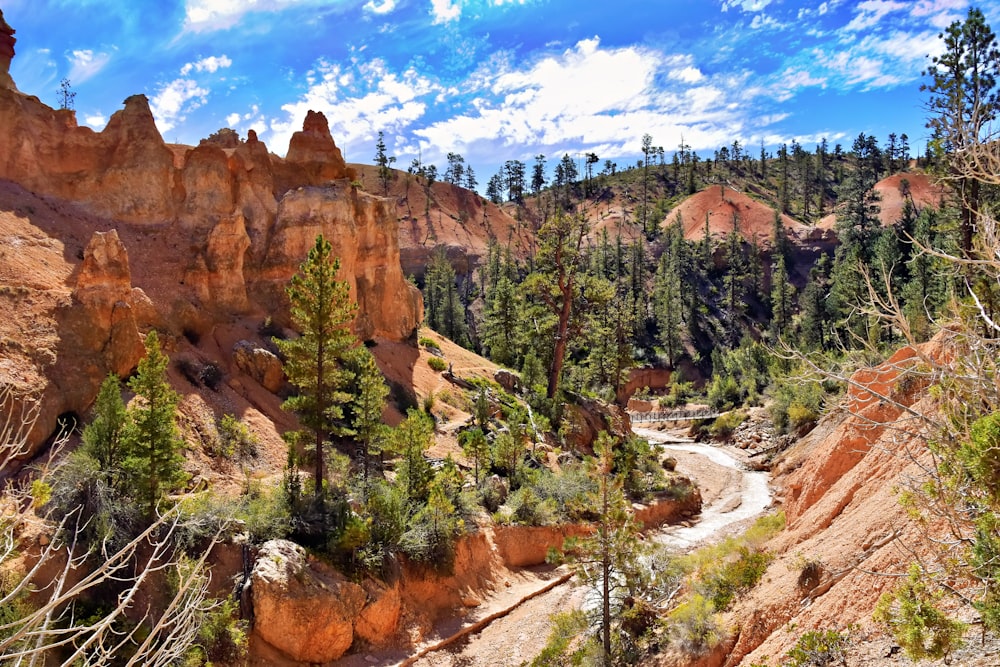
[
  {"x": 214, "y": 232},
  {"x": 840, "y": 490}
]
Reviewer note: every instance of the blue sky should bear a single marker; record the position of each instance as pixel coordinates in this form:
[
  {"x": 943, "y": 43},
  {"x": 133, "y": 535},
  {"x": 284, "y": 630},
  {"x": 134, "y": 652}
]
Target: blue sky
[{"x": 495, "y": 80}]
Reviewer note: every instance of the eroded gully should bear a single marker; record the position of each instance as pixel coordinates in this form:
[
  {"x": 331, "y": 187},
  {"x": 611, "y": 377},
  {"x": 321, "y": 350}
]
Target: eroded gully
[{"x": 733, "y": 497}]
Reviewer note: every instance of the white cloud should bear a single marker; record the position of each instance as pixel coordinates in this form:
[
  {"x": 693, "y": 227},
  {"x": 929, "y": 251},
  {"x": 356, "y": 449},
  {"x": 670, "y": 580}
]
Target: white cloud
[
  {"x": 232, "y": 119},
  {"x": 588, "y": 97},
  {"x": 445, "y": 11},
  {"x": 687, "y": 74},
  {"x": 385, "y": 7},
  {"x": 763, "y": 21},
  {"x": 211, "y": 65},
  {"x": 211, "y": 15},
  {"x": 174, "y": 100},
  {"x": 356, "y": 103},
  {"x": 791, "y": 80},
  {"x": 745, "y": 5},
  {"x": 84, "y": 63},
  {"x": 939, "y": 13},
  {"x": 871, "y": 12},
  {"x": 96, "y": 120}
]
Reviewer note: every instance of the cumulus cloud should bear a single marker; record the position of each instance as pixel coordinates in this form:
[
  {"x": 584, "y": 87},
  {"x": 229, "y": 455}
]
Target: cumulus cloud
[
  {"x": 745, "y": 5},
  {"x": 96, "y": 120},
  {"x": 589, "y": 96},
  {"x": 688, "y": 74},
  {"x": 211, "y": 65},
  {"x": 384, "y": 7},
  {"x": 174, "y": 100},
  {"x": 85, "y": 63},
  {"x": 445, "y": 11},
  {"x": 212, "y": 15},
  {"x": 358, "y": 102}
]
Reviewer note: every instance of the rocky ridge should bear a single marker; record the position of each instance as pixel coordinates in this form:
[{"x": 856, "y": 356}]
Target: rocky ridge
[{"x": 215, "y": 232}]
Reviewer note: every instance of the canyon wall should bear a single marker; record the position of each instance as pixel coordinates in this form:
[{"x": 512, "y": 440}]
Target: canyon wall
[{"x": 153, "y": 235}]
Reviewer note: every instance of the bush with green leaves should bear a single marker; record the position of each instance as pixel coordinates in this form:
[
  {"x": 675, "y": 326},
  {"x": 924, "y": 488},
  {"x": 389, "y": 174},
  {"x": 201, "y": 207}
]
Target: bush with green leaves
[
  {"x": 797, "y": 406},
  {"x": 526, "y": 508},
  {"x": 430, "y": 538},
  {"x": 430, "y": 344},
  {"x": 235, "y": 438},
  {"x": 818, "y": 648},
  {"x": 734, "y": 577},
  {"x": 222, "y": 638},
  {"x": 437, "y": 364},
  {"x": 913, "y": 615},
  {"x": 694, "y": 624},
  {"x": 724, "y": 425}
]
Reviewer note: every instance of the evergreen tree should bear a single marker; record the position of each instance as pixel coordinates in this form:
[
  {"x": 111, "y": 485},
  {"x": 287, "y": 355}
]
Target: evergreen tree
[
  {"x": 444, "y": 311},
  {"x": 477, "y": 449},
  {"x": 410, "y": 439},
  {"x": 559, "y": 270},
  {"x": 963, "y": 103},
  {"x": 538, "y": 174},
  {"x": 500, "y": 328},
  {"x": 781, "y": 297},
  {"x": 667, "y": 302},
  {"x": 608, "y": 560},
  {"x": 812, "y": 304},
  {"x": 494, "y": 189},
  {"x": 368, "y": 404},
  {"x": 384, "y": 163},
  {"x": 105, "y": 438},
  {"x": 322, "y": 312},
  {"x": 153, "y": 463}
]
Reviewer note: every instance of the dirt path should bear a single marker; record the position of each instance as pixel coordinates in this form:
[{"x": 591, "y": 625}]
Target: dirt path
[
  {"x": 731, "y": 495},
  {"x": 731, "y": 498}
]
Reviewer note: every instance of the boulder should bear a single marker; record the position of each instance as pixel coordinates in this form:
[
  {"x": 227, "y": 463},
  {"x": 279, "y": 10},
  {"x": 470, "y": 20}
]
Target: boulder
[
  {"x": 379, "y": 620},
  {"x": 509, "y": 380},
  {"x": 260, "y": 364},
  {"x": 586, "y": 417},
  {"x": 303, "y": 607}
]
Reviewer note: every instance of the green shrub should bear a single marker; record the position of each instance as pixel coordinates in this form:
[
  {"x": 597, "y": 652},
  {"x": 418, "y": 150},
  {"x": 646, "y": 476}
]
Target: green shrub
[
  {"x": 725, "y": 424},
  {"x": 222, "y": 637},
  {"x": 817, "y": 648},
  {"x": 437, "y": 364},
  {"x": 735, "y": 577},
  {"x": 724, "y": 392},
  {"x": 430, "y": 344},
  {"x": 695, "y": 625},
  {"x": 797, "y": 406},
  {"x": 526, "y": 508},
  {"x": 265, "y": 514},
  {"x": 912, "y": 615},
  {"x": 235, "y": 439}
]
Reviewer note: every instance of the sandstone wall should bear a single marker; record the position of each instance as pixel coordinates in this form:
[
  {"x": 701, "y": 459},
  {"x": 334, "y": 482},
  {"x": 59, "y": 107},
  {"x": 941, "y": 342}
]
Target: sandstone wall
[{"x": 228, "y": 204}]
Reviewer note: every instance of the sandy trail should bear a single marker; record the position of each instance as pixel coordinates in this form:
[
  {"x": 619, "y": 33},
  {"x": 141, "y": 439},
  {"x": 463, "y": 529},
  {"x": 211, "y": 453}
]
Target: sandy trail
[{"x": 732, "y": 497}]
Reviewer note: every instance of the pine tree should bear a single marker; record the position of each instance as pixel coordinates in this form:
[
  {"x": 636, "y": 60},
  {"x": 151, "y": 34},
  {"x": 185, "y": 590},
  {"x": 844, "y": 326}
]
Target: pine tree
[
  {"x": 384, "y": 163},
  {"x": 964, "y": 102},
  {"x": 608, "y": 560},
  {"x": 559, "y": 270},
  {"x": 368, "y": 405},
  {"x": 409, "y": 440},
  {"x": 154, "y": 461},
  {"x": 322, "y": 312},
  {"x": 477, "y": 449},
  {"x": 105, "y": 438},
  {"x": 781, "y": 297}
]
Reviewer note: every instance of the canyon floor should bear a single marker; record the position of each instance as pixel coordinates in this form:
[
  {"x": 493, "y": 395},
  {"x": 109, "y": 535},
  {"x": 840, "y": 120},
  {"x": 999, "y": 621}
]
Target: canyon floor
[{"x": 522, "y": 610}]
